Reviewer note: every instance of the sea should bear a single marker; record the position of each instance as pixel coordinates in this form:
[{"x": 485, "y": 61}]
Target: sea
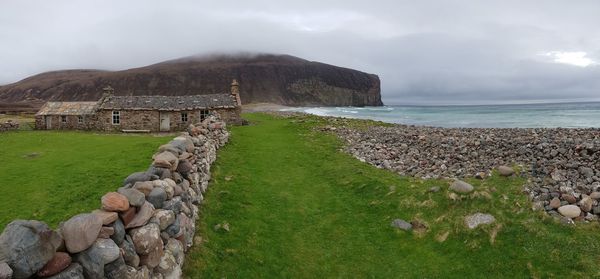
[{"x": 565, "y": 115}]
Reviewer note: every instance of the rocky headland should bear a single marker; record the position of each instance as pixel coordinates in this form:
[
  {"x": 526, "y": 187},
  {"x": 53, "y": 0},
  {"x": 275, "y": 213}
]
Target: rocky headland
[
  {"x": 264, "y": 78},
  {"x": 562, "y": 166}
]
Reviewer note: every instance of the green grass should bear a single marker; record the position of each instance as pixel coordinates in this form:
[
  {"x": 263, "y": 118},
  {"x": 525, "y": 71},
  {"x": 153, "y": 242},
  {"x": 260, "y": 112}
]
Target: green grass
[
  {"x": 51, "y": 176},
  {"x": 297, "y": 207}
]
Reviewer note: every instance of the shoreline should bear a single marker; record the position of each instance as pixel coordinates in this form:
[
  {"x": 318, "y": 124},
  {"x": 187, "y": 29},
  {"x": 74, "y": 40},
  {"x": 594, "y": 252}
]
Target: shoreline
[{"x": 562, "y": 165}]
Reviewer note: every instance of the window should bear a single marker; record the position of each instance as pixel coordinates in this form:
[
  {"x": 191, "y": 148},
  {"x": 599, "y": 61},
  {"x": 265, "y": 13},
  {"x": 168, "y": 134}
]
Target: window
[
  {"x": 79, "y": 119},
  {"x": 63, "y": 118},
  {"x": 203, "y": 114},
  {"x": 116, "y": 117},
  {"x": 184, "y": 117}
]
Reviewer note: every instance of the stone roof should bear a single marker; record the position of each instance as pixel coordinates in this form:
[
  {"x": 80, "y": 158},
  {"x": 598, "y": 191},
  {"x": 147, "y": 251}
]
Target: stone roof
[
  {"x": 169, "y": 103},
  {"x": 67, "y": 108}
]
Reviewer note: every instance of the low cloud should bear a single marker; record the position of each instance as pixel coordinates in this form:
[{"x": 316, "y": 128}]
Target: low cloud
[{"x": 425, "y": 52}]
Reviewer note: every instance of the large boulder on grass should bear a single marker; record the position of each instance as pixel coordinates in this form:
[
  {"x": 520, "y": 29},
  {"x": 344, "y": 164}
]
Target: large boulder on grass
[
  {"x": 460, "y": 186},
  {"x": 26, "y": 246},
  {"x": 505, "y": 171}
]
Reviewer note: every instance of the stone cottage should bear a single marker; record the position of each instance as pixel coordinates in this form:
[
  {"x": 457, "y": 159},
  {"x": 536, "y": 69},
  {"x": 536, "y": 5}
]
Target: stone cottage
[{"x": 139, "y": 113}]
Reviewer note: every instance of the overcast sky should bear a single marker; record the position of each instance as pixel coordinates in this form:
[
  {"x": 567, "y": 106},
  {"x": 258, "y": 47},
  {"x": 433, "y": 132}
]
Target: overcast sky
[{"x": 446, "y": 51}]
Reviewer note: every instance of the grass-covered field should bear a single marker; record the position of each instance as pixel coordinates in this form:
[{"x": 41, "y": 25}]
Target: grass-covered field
[
  {"x": 298, "y": 207},
  {"x": 51, "y": 176}
]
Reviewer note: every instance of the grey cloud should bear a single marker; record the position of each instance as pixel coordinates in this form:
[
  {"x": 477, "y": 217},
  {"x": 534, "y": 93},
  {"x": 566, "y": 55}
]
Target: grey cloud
[{"x": 455, "y": 51}]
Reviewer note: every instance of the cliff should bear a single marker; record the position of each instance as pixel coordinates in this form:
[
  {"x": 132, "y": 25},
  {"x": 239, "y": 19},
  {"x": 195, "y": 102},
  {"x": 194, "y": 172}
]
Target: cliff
[{"x": 279, "y": 79}]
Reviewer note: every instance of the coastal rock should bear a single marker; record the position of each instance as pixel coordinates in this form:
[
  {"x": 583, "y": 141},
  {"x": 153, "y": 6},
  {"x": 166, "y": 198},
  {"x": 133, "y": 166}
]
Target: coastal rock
[
  {"x": 113, "y": 201},
  {"x": 586, "y": 204},
  {"x": 555, "y": 203},
  {"x": 58, "y": 263},
  {"x": 505, "y": 171},
  {"x": 81, "y": 231},
  {"x": 26, "y": 246},
  {"x": 401, "y": 224},
  {"x": 460, "y": 186},
  {"x": 595, "y": 195},
  {"x": 135, "y": 197},
  {"x": 569, "y": 198},
  {"x": 74, "y": 271},
  {"x": 475, "y": 220},
  {"x": 570, "y": 211}
]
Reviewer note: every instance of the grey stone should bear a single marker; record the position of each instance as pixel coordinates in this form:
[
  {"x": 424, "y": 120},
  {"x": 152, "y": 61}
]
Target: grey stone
[
  {"x": 173, "y": 205},
  {"x": 176, "y": 249},
  {"x": 119, "y": 233},
  {"x": 434, "y": 189},
  {"x": 477, "y": 219},
  {"x": 505, "y": 171},
  {"x": 401, "y": 224},
  {"x": 157, "y": 197},
  {"x": 174, "y": 228},
  {"x": 167, "y": 265},
  {"x": 139, "y": 176},
  {"x": 570, "y": 211},
  {"x": 163, "y": 218},
  {"x": 117, "y": 269},
  {"x": 102, "y": 252},
  {"x": 460, "y": 186},
  {"x": 135, "y": 197},
  {"x": 74, "y": 271},
  {"x": 129, "y": 255},
  {"x": 161, "y": 173},
  {"x": 26, "y": 246}
]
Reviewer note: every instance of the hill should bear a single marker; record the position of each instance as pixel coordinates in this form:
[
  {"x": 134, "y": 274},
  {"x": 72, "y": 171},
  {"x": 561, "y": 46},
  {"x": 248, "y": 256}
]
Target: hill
[{"x": 279, "y": 79}]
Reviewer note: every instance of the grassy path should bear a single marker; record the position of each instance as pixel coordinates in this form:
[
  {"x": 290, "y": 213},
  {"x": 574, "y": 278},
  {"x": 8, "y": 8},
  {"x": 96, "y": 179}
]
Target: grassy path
[{"x": 299, "y": 208}]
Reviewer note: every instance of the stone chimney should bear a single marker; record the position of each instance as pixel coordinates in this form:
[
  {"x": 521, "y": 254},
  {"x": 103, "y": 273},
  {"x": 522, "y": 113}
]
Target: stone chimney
[
  {"x": 107, "y": 92},
  {"x": 235, "y": 91}
]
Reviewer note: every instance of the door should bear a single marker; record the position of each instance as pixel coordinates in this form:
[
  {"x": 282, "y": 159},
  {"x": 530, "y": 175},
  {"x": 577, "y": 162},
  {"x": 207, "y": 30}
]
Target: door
[
  {"x": 48, "y": 122},
  {"x": 165, "y": 122}
]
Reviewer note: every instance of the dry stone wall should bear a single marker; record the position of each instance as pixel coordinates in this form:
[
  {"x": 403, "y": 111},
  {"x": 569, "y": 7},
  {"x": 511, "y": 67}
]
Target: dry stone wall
[{"x": 142, "y": 230}]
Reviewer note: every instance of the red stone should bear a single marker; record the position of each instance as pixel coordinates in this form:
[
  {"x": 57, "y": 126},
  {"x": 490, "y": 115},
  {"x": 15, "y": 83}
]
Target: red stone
[
  {"x": 106, "y": 232},
  {"x": 128, "y": 215},
  {"x": 57, "y": 264},
  {"x": 114, "y": 201}
]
